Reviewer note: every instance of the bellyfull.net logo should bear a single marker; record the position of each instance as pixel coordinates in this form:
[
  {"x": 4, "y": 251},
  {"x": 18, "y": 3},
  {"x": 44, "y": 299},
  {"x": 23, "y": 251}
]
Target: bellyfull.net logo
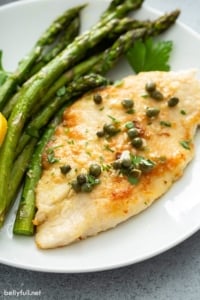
[{"x": 21, "y": 293}]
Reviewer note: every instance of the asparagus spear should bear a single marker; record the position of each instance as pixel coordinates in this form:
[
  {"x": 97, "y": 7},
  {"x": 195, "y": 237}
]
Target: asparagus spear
[
  {"x": 47, "y": 38},
  {"x": 162, "y": 23},
  {"x": 19, "y": 168},
  {"x": 77, "y": 71},
  {"x": 125, "y": 25},
  {"x": 119, "y": 8},
  {"x": 113, "y": 6},
  {"x": 64, "y": 40},
  {"x": 23, "y": 222}
]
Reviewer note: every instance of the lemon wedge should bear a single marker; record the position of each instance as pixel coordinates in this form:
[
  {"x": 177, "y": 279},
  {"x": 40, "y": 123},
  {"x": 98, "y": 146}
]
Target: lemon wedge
[{"x": 3, "y": 128}]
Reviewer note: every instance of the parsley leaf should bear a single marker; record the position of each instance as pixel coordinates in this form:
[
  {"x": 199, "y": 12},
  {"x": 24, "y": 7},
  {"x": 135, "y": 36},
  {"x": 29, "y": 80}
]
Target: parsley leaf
[{"x": 150, "y": 55}]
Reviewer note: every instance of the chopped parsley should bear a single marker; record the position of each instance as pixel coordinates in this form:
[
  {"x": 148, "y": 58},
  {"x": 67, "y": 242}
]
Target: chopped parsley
[
  {"x": 114, "y": 120},
  {"x": 71, "y": 142},
  {"x": 185, "y": 144},
  {"x": 107, "y": 147},
  {"x": 51, "y": 156},
  {"x": 145, "y": 96},
  {"x": 165, "y": 123},
  {"x": 129, "y": 125},
  {"x": 130, "y": 111},
  {"x": 183, "y": 112},
  {"x": 92, "y": 180},
  {"x": 106, "y": 167},
  {"x": 88, "y": 153}
]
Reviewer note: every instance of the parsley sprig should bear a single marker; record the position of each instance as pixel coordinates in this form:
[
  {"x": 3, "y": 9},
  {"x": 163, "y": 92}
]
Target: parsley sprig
[{"x": 150, "y": 55}]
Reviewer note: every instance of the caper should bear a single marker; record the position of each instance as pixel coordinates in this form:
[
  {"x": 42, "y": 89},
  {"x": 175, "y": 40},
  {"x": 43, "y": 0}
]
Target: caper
[
  {"x": 97, "y": 99},
  {"x": 173, "y": 101},
  {"x": 65, "y": 169},
  {"x": 157, "y": 95},
  {"x": 150, "y": 86},
  {"x": 86, "y": 187},
  {"x": 152, "y": 112},
  {"x": 137, "y": 142},
  {"x": 136, "y": 173},
  {"x": 127, "y": 103},
  {"x": 126, "y": 162},
  {"x": 100, "y": 133},
  {"x": 81, "y": 178},
  {"x": 95, "y": 170},
  {"x": 116, "y": 164},
  {"x": 76, "y": 186},
  {"x": 133, "y": 132},
  {"x": 110, "y": 129}
]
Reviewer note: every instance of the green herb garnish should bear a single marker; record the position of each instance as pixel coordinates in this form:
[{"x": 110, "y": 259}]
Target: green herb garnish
[
  {"x": 185, "y": 144},
  {"x": 165, "y": 123},
  {"x": 150, "y": 55},
  {"x": 133, "y": 180},
  {"x": 183, "y": 112},
  {"x": 129, "y": 125},
  {"x": 106, "y": 167},
  {"x": 114, "y": 120},
  {"x": 107, "y": 147},
  {"x": 51, "y": 156},
  {"x": 130, "y": 111}
]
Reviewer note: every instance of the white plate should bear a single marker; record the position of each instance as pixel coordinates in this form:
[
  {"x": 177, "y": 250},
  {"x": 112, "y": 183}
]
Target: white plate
[{"x": 169, "y": 221}]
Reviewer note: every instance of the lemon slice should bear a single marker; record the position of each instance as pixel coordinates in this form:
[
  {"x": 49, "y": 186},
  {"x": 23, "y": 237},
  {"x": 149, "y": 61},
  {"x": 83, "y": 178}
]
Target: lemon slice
[{"x": 3, "y": 128}]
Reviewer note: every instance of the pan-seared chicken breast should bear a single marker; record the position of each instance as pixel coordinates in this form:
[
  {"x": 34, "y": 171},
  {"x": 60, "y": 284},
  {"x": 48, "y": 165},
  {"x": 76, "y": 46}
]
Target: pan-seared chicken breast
[{"x": 118, "y": 149}]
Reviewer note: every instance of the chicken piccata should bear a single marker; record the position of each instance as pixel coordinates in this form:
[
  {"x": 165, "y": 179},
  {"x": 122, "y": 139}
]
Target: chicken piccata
[{"x": 118, "y": 149}]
